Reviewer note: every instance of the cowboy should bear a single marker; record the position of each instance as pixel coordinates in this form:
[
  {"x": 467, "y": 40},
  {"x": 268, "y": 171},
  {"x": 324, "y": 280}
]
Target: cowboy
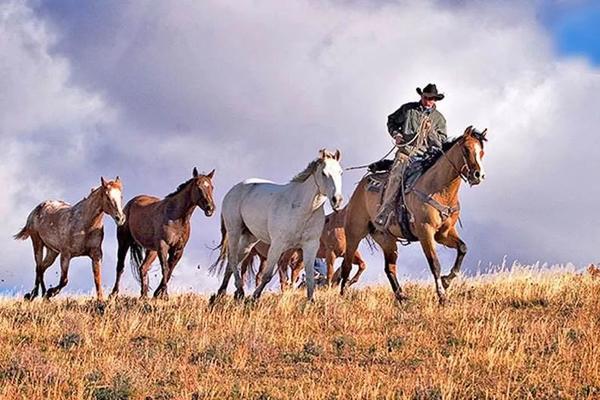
[{"x": 416, "y": 127}]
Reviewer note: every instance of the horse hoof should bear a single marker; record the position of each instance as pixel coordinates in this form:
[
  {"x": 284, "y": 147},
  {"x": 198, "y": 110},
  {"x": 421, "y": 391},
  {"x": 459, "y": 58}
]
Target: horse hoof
[
  {"x": 213, "y": 299},
  {"x": 28, "y": 296},
  {"x": 402, "y": 298},
  {"x": 446, "y": 281},
  {"x": 239, "y": 295},
  {"x": 443, "y": 300}
]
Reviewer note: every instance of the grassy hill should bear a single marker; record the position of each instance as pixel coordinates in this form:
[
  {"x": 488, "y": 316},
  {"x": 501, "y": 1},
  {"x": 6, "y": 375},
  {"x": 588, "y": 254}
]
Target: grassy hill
[{"x": 522, "y": 335}]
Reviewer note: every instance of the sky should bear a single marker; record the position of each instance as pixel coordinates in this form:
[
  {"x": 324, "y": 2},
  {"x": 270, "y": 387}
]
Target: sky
[{"x": 147, "y": 91}]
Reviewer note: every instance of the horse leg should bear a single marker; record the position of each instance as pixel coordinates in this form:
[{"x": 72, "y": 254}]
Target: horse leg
[
  {"x": 38, "y": 255},
  {"x": 174, "y": 257},
  {"x": 163, "y": 257},
  {"x": 296, "y": 270},
  {"x": 245, "y": 245},
  {"x": 309, "y": 252},
  {"x": 64, "y": 279},
  {"x": 452, "y": 240},
  {"x": 358, "y": 260},
  {"x": 354, "y": 234},
  {"x": 261, "y": 270},
  {"x": 245, "y": 267},
  {"x": 48, "y": 261},
  {"x": 96, "y": 256},
  {"x": 273, "y": 256},
  {"x": 330, "y": 260},
  {"x": 428, "y": 245},
  {"x": 390, "y": 253},
  {"x": 229, "y": 268},
  {"x": 144, "y": 268},
  {"x": 283, "y": 276},
  {"x": 124, "y": 242}
]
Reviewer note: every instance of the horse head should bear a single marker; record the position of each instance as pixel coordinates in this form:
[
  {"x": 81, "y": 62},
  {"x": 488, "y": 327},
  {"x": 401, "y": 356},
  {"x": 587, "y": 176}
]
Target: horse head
[
  {"x": 472, "y": 150},
  {"x": 328, "y": 177},
  {"x": 112, "y": 199},
  {"x": 202, "y": 191}
]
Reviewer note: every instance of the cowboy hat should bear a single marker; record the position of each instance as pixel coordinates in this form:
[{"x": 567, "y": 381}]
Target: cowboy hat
[{"x": 430, "y": 91}]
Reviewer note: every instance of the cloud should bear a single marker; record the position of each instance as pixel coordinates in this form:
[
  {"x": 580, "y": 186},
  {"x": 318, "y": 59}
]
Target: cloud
[{"x": 254, "y": 89}]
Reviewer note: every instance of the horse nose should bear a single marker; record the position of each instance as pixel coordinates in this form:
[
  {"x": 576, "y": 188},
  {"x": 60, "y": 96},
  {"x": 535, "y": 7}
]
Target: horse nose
[
  {"x": 338, "y": 199},
  {"x": 479, "y": 175}
]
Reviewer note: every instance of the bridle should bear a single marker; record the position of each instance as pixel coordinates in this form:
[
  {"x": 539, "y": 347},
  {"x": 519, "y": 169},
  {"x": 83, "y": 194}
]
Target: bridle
[{"x": 459, "y": 171}]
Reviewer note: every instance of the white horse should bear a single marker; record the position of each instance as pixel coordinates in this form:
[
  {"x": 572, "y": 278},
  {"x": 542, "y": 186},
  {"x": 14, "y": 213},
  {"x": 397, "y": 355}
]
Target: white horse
[{"x": 285, "y": 216}]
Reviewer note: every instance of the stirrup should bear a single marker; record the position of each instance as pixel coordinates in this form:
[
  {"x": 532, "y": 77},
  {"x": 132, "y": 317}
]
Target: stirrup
[{"x": 382, "y": 220}]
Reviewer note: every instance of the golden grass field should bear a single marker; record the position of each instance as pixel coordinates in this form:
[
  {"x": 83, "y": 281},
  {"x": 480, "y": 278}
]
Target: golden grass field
[{"x": 524, "y": 334}]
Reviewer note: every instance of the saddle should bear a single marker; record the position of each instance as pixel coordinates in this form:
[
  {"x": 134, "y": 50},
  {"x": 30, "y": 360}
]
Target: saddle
[{"x": 377, "y": 181}]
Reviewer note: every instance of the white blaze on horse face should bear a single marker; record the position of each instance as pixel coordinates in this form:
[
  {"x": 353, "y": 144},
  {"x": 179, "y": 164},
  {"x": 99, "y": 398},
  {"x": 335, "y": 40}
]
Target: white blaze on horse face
[
  {"x": 333, "y": 172},
  {"x": 117, "y": 199},
  {"x": 478, "y": 151}
]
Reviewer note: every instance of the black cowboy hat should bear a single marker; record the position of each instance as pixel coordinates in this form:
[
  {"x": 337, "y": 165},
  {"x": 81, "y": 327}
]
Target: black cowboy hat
[{"x": 430, "y": 91}]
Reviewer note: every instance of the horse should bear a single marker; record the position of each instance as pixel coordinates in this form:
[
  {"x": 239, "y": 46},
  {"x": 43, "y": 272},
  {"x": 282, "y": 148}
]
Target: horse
[
  {"x": 162, "y": 229},
  {"x": 332, "y": 245},
  {"x": 434, "y": 209},
  {"x": 284, "y": 216},
  {"x": 71, "y": 231}
]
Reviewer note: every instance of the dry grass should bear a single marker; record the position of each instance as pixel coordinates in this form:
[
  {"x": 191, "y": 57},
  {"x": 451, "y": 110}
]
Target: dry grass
[{"x": 523, "y": 335}]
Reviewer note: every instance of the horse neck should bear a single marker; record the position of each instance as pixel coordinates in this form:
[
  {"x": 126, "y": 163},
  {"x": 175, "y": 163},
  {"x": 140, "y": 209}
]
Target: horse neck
[
  {"x": 180, "y": 205},
  {"x": 90, "y": 209},
  {"x": 443, "y": 178},
  {"x": 307, "y": 195}
]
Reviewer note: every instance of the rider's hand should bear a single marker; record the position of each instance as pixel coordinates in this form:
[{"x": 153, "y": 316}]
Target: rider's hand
[{"x": 399, "y": 139}]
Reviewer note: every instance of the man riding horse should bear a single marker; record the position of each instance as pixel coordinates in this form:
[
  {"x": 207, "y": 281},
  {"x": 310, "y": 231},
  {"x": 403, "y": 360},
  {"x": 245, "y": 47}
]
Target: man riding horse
[{"x": 416, "y": 127}]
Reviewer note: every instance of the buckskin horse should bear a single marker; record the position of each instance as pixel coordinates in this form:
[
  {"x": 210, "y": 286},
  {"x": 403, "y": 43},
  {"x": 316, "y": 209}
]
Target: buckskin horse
[
  {"x": 332, "y": 245},
  {"x": 71, "y": 231},
  {"x": 162, "y": 229},
  {"x": 285, "y": 216},
  {"x": 433, "y": 205}
]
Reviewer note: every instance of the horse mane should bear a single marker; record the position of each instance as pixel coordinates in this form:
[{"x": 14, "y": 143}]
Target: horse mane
[
  {"x": 434, "y": 154},
  {"x": 308, "y": 171},
  {"x": 179, "y": 188}
]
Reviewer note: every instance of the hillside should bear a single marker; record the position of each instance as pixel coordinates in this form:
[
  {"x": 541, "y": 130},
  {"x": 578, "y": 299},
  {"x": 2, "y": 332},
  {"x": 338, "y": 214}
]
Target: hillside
[{"x": 521, "y": 335}]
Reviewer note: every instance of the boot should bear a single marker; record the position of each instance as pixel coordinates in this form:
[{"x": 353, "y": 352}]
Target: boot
[{"x": 383, "y": 218}]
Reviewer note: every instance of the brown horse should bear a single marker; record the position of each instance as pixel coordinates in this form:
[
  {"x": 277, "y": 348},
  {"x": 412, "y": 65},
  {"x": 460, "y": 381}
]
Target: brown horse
[
  {"x": 433, "y": 205},
  {"x": 162, "y": 228},
  {"x": 332, "y": 246},
  {"x": 71, "y": 231}
]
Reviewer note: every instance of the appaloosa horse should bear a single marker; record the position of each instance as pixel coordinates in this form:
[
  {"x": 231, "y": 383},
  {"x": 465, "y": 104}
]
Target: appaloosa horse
[
  {"x": 332, "y": 245},
  {"x": 285, "y": 216},
  {"x": 71, "y": 231},
  {"x": 162, "y": 228},
  {"x": 433, "y": 205}
]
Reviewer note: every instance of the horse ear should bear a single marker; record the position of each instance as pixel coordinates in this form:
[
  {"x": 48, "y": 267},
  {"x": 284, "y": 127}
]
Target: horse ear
[
  {"x": 102, "y": 181},
  {"x": 117, "y": 179},
  {"x": 195, "y": 172},
  {"x": 211, "y": 174},
  {"x": 338, "y": 155},
  {"x": 468, "y": 130},
  {"x": 322, "y": 153}
]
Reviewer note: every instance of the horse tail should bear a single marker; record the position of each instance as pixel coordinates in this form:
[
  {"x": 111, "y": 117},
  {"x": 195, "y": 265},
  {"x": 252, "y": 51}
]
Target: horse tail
[
  {"x": 219, "y": 265},
  {"x": 137, "y": 258},
  {"x": 25, "y": 232}
]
